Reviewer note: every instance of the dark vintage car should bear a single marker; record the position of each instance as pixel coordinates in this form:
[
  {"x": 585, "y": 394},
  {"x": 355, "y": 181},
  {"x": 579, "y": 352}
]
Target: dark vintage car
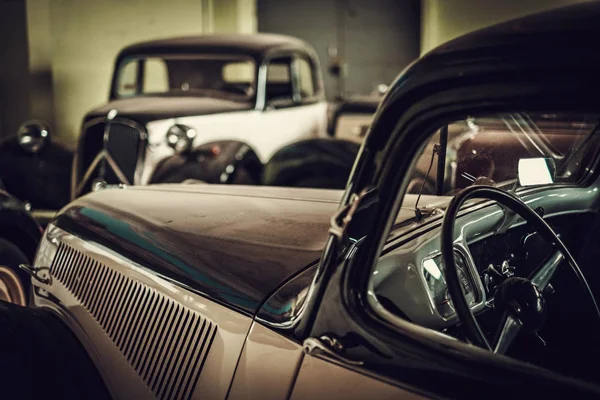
[
  {"x": 36, "y": 169},
  {"x": 172, "y": 95},
  {"x": 215, "y": 291}
]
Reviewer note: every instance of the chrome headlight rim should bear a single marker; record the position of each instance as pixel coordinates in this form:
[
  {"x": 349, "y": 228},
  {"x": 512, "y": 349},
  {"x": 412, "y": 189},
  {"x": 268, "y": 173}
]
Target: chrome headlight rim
[{"x": 180, "y": 138}]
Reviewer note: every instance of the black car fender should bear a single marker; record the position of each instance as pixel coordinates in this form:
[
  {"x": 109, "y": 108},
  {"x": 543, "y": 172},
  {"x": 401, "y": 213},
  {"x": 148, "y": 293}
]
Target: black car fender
[
  {"x": 41, "y": 179},
  {"x": 322, "y": 162},
  {"x": 226, "y": 161},
  {"x": 18, "y": 226}
]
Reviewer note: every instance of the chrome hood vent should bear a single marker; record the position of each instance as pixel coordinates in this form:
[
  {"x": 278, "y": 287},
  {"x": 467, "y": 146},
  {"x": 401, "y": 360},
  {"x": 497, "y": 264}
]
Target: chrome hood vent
[{"x": 165, "y": 342}]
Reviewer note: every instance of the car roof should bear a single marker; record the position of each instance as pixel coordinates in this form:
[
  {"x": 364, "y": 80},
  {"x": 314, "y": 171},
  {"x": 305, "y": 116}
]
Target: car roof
[
  {"x": 565, "y": 28},
  {"x": 255, "y": 45}
]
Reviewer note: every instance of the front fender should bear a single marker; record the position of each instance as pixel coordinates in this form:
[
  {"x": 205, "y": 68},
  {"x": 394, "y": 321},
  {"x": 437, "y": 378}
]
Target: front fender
[
  {"x": 18, "y": 225},
  {"x": 215, "y": 162}
]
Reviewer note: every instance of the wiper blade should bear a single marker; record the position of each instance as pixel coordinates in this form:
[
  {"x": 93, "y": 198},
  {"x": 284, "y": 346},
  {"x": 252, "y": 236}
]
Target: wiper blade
[{"x": 419, "y": 212}]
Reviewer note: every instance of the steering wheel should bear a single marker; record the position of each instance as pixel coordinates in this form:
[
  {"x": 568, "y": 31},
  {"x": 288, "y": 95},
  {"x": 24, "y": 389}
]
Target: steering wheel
[{"x": 520, "y": 299}]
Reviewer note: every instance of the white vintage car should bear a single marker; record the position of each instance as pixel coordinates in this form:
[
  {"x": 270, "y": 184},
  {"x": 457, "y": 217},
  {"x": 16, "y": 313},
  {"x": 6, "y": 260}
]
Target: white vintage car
[{"x": 169, "y": 96}]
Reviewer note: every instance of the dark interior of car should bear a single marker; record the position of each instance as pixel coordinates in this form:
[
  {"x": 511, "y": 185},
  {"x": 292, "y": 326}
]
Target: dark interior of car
[{"x": 564, "y": 342}]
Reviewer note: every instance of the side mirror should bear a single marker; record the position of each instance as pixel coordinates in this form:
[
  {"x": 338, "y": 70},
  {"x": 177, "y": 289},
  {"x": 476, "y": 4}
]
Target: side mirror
[
  {"x": 33, "y": 136},
  {"x": 536, "y": 171}
]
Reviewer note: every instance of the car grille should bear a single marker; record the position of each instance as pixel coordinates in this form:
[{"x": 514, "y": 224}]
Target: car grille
[
  {"x": 125, "y": 145},
  {"x": 163, "y": 341}
]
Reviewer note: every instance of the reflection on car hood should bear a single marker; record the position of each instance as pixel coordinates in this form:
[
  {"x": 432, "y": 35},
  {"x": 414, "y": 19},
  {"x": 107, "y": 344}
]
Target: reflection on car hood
[
  {"x": 234, "y": 244},
  {"x": 150, "y": 108}
]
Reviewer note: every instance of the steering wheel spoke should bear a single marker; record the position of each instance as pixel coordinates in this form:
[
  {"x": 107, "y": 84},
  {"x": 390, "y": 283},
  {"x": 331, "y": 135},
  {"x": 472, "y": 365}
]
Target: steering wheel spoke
[
  {"x": 541, "y": 277},
  {"x": 510, "y": 328}
]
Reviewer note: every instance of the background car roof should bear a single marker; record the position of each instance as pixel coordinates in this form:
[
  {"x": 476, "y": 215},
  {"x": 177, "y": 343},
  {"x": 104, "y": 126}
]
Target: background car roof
[{"x": 255, "y": 45}]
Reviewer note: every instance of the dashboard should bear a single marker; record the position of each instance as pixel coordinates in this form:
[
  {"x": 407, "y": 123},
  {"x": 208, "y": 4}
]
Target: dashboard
[
  {"x": 409, "y": 278},
  {"x": 433, "y": 271}
]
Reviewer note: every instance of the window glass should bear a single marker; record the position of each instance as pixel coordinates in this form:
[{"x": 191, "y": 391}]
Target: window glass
[
  {"x": 238, "y": 72},
  {"x": 493, "y": 249},
  {"x": 488, "y": 149},
  {"x": 127, "y": 80},
  {"x": 232, "y": 77},
  {"x": 156, "y": 77},
  {"x": 306, "y": 77},
  {"x": 279, "y": 79},
  {"x": 278, "y": 71}
]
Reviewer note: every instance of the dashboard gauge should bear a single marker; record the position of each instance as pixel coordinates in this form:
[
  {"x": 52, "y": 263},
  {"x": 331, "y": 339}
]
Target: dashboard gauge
[{"x": 434, "y": 274}]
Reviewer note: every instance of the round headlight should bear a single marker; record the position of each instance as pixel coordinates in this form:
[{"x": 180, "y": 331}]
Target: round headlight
[
  {"x": 33, "y": 136},
  {"x": 180, "y": 138}
]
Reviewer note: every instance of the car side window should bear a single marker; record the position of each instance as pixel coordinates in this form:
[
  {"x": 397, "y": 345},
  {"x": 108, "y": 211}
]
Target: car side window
[
  {"x": 279, "y": 80},
  {"x": 156, "y": 77},
  {"x": 127, "y": 85},
  {"x": 306, "y": 78}
]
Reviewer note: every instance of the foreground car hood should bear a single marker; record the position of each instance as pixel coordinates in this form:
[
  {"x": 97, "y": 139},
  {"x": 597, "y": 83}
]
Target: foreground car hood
[
  {"x": 149, "y": 108},
  {"x": 234, "y": 244}
]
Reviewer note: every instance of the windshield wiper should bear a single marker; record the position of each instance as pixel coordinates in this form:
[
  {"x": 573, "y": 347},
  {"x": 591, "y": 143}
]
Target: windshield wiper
[
  {"x": 440, "y": 150},
  {"x": 420, "y": 213}
]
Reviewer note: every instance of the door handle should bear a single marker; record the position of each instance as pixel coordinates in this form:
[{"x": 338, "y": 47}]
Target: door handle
[{"x": 328, "y": 347}]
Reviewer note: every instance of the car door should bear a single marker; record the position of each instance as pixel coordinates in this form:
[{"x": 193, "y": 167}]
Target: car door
[
  {"x": 294, "y": 109},
  {"x": 342, "y": 383}
]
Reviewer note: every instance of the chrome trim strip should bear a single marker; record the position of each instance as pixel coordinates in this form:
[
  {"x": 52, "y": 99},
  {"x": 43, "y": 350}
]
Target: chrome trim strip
[
  {"x": 89, "y": 172},
  {"x": 460, "y": 248},
  {"x": 113, "y": 164}
]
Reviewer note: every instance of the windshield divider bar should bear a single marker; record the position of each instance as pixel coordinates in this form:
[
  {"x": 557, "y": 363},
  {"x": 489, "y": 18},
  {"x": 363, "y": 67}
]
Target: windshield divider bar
[{"x": 441, "y": 165}]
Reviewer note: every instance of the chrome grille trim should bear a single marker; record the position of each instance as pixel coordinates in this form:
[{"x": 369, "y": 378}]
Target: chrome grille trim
[
  {"x": 107, "y": 154},
  {"x": 165, "y": 342}
]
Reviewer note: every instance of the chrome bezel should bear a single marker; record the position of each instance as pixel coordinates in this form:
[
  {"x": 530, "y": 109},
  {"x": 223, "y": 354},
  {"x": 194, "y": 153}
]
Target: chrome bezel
[{"x": 473, "y": 274}]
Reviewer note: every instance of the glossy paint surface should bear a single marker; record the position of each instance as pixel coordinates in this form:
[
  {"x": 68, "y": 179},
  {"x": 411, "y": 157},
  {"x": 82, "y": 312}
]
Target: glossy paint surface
[
  {"x": 126, "y": 376},
  {"x": 267, "y": 367},
  {"x": 234, "y": 244},
  {"x": 150, "y": 108},
  {"x": 320, "y": 379}
]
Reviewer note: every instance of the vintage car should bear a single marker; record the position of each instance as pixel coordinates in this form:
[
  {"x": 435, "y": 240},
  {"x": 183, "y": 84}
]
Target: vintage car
[
  {"x": 243, "y": 292},
  {"x": 171, "y": 95}
]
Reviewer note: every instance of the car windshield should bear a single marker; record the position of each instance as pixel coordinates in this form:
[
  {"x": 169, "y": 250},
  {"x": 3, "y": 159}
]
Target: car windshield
[
  {"x": 206, "y": 75},
  {"x": 507, "y": 150}
]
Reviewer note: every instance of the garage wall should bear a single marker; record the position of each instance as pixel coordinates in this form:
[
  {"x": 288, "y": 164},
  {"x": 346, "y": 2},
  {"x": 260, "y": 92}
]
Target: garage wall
[
  {"x": 375, "y": 39},
  {"x": 443, "y": 20},
  {"x": 14, "y": 77},
  {"x": 75, "y": 43}
]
